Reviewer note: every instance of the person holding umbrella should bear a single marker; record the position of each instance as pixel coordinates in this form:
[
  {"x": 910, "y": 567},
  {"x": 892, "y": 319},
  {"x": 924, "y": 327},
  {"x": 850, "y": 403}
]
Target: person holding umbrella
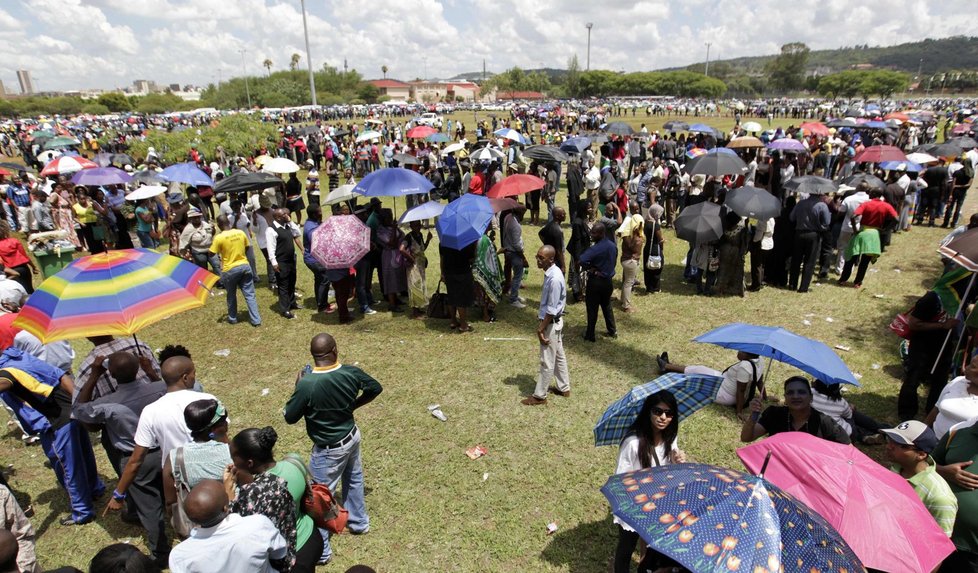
[{"x": 797, "y": 415}]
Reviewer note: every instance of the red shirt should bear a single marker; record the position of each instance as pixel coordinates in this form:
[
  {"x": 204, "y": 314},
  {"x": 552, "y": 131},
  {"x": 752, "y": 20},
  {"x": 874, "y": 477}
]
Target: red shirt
[
  {"x": 12, "y": 253},
  {"x": 876, "y": 212},
  {"x": 477, "y": 184},
  {"x": 7, "y": 330}
]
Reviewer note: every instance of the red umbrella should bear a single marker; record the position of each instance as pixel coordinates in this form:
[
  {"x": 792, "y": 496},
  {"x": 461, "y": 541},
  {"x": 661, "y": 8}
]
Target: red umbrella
[
  {"x": 500, "y": 204},
  {"x": 879, "y": 154},
  {"x": 67, "y": 164},
  {"x": 897, "y": 115},
  {"x": 516, "y": 185},
  {"x": 421, "y": 132},
  {"x": 816, "y": 128}
]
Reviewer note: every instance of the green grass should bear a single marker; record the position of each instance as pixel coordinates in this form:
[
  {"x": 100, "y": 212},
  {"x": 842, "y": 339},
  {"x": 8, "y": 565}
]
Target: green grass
[{"x": 431, "y": 508}]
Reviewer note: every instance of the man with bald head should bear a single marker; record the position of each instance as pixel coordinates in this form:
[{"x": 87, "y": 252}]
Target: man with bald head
[
  {"x": 161, "y": 425},
  {"x": 282, "y": 238},
  {"x": 550, "y": 331},
  {"x": 326, "y": 395},
  {"x": 225, "y": 542}
]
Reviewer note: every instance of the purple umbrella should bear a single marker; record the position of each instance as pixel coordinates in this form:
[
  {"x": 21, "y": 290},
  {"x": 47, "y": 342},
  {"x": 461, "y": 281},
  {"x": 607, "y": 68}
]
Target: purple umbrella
[
  {"x": 786, "y": 144},
  {"x": 101, "y": 176},
  {"x": 340, "y": 241}
]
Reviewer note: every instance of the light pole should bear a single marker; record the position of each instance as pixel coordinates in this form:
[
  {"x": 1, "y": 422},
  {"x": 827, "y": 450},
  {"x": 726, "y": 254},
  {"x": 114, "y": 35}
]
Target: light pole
[
  {"x": 589, "y": 25},
  {"x": 245, "y": 70},
  {"x": 305, "y": 29},
  {"x": 707, "y": 72}
]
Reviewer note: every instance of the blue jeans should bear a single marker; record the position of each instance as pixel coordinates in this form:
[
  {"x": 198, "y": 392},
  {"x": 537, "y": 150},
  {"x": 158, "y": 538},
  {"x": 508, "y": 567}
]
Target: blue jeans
[
  {"x": 328, "y": 466},
  {"x": 516, "y": 262},
  {"x": 146, "y": 240},
  {"x": 241, "y": 276}
]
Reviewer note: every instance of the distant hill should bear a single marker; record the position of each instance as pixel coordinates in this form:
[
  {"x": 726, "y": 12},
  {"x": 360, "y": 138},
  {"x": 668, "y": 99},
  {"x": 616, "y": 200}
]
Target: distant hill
[{"x": 956, "y": 53}]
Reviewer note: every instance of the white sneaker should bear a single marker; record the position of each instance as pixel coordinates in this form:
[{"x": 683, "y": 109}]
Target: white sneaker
[{"x": 517, "y": 304}]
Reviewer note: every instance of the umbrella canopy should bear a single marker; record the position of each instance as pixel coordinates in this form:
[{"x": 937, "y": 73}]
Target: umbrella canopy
[
  {"x": 701, "y": 128},
  {"x": 108, "y": 159},
  {"x": 41, "y": 135},
  {"x": 15, "y": 167},
  {"x": 872, "y": 180},
  {"x": 147, "y": 177},
  {"x": 699, "y": 223},
  {"x": 810, "y": 356},
  {"x": 753, "y": 202},
  {"x": 619, "y": 128},
  {"x": 692, "y": 392},
  {"x": 405, "y": 159},
  {"x": 787, "y": 144},
  {"x": 695, "y": 152},
  {"x": 341, "y": 194},
  {"x": 897, "y": 115},
  {"x": 811, "y": 184},
  {"x": 145, "y": 192},
  {"x": 115, "y": 293},
  {"x": 963, "y": 250},
  {"x": 61, "y": 141},
  {"x": 842, "y": 122},
  {"x": 545, "y": 153},
  {"x": 438, "y": 138},
  {"x": 244, "y": 181},
  {"x": 500, "y": 204},
  {"x": 67, "y": 164},
  {"x": 921, "y": 158},
  {"x": 965, "y": 143},
  {"x": 516, "y": 185},
  {"x": 880, "y": 153},
  {"x": 745, "y": 142},
  {"x": 675, "y": 126},
  {"x": 280, "y": 165},
  {"x": 309, "y": 130},
  {"x": 941, "y": 149},
  {"x": 428, "y": 210},
  {"x": 712, "y": 519},
  {"x": 486, "y": 154},
  {"x": 393, "y": 182},
  {"x": 453, "y": 148},
  {"x": 752, "y": 127},
  {"x": 902, "y": 166},
  {"x": 48, "y": 156},
  {"x": 464, "y": 220},
  {"x": 261, "y": 159},
  {"x": 575, "y": 144},
  {"x": 510, "y": 134},
  {"x": 340, "y": 241},
  {"x": 874, "y": 509},
  {"x": 101, "y": 176},
  {"x": 187, "y": 173},
  {"x": 816, "y": 128},
  {"x": 716, "y": 163},
  {"x": 368, "y": 135},
  {"x": 420, "y": 132}
]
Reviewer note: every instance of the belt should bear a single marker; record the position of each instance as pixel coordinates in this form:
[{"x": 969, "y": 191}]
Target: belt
[{"x": 346, "y": 440}]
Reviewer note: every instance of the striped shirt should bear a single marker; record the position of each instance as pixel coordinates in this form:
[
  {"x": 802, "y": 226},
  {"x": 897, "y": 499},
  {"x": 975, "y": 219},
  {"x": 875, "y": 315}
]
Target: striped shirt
[{"x": 936, "y": 495}]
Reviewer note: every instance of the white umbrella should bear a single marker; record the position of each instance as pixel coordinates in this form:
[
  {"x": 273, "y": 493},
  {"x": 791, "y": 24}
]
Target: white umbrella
[
  {"x": 368, "y": 135},
  {"x": 921, "y": 158},
  {"x": 486, "y": 154},
  {"x": 453, "y": 148},
  {"x": 751, "y": 126},
  {"x": 280, "y": 165},
  {"x": 341, "y": 194},
  {"x": 47, "y": 156},
  {"x": 145, "y": 192},
  {"x": 428, "y": 210}
]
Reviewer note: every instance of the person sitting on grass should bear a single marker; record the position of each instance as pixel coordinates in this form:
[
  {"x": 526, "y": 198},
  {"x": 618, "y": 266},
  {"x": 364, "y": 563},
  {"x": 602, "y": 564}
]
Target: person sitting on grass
[
  {"x": 740, "y": 380},
  {"x": 797, "y": 415}
]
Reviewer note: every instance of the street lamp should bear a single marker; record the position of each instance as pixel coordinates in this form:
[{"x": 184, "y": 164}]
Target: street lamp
[
  {"x": 245, "y": 70},
  {"x": 588, "y": 26},
  {"x": 305, "y": 29},
  {"x": 707, "y": 72}
]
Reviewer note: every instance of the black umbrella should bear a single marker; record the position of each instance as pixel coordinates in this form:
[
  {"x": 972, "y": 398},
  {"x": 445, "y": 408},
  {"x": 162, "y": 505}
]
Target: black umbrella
[
  {"x": 753, "y": 202},
  {"x": 308, "y": 130},
  {"x": 675, "y": 126},
  {"x": 340, "y": 133},
  {"x": 965, "y": 143},
  {"x": 147, "y": 177},
  {"x": 15, "y": 167},
  {"x": 619, "y": 128},
  {"x": 699, "y": 223},
  {"x": 545, "y": 153},
  {"x": 873, "y": 181},
  {"x": 716, "y": 163},
  {"x": 947, "y": 149},
  {"x": 842, "y": 122},
  {"x": 244, "y": 181},
  {"x": 405, "y": 159},
  {"x": 812, "y": 185}
]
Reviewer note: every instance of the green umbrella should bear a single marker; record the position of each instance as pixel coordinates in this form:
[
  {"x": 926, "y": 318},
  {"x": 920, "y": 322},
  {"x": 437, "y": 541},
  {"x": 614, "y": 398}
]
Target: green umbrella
[
  {"x": 61, "y": 141},
  {"x": 41, "y": 135}
]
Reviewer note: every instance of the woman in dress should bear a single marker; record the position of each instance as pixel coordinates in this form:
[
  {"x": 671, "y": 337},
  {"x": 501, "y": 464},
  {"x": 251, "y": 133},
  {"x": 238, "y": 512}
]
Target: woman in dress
[
  {"x": 650, "y": 442},
  {"x": 732, "y": 247},
  {"x": 412, "y": 249},
  {"x": 91, "y": 231},
  {"x": 392, "y": 262},
  {"x": 654, "y": 246},
  {"x": 488, "y": 276},
  {"x": 62, "y": 213}
]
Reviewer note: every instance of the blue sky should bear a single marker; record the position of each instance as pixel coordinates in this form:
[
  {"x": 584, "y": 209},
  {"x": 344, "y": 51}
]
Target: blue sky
[{"x": 80, "y": 44}]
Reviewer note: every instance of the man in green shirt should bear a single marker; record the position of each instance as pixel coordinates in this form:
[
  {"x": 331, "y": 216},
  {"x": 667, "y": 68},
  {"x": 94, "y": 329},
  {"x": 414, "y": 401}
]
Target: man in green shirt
[
  {"x": 326, "y": 396},
  {"x": 957, "y": 450},
  {"x": 909, "y": 447}
]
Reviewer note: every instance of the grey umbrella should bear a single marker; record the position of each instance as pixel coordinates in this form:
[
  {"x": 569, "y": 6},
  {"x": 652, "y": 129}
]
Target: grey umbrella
[
  {"x": 753, "y": 202},
  {"x": 812, "y": 185},
  {"x": 619, "y": 128},
  {"x": 716, "y": 163},
  {"x": 842, "y": 122},
  {"x": 965, "y": 143},
  {"x": 405, "y": 159},
  {"x": 675, "y": 126},
  {"x": 947, "y": 149},
  {"x": 873, "y": 181},
  {"x": 147, "y": 177},
  {"x": 545, "y": 153},
  {"x": 699, "y": 223}
]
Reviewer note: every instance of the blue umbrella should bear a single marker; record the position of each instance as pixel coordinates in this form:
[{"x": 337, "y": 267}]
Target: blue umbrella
[
  {"x": 187, "y": 173},
  {"x": 428, "y": 210},
  {"x": 712, "y": 519},
  {"x": 902, "y": 166},
  {"x": 393, "y": 182},
  {"x": 438, "y": 138},
  {"x": 692, "y": 392},
  {"x": 575, "y": 144},
  {"x": 872, "y": 125},
  {"x": 701, "y": 128},
  {"x": 464, "y": 220},
  {"x": 810, "y": 356},
  {"x": 101, "y": 176}
]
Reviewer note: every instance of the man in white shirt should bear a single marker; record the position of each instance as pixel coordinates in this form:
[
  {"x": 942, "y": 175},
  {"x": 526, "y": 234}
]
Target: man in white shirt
[
  {"x": 282, "y": 238},
  {"x": 226, "y": 542}
]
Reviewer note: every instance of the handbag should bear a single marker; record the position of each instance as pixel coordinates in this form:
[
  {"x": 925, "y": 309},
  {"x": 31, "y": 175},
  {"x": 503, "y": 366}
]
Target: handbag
[
  {"x": 438, "y": 304},
  {"x": 319, "y": 504},
  {"x": 654, "y": 262},
  {"x": 182, "y": 524}
]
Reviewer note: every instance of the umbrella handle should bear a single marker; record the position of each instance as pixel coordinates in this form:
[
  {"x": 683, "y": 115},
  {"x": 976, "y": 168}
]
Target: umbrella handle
[{"x": 767, "y": 459}]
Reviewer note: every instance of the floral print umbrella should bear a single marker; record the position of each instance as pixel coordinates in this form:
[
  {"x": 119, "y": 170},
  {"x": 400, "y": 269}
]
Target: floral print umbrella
[{"x": 340, "y": 241}]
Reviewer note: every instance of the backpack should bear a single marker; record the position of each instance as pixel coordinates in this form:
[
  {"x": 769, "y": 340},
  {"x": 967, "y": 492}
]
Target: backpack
[
  {"x": 318, "y": 502},
  {"x": 182, "y": 524}
]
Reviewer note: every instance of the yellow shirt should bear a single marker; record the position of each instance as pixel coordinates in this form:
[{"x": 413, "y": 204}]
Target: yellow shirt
[
  {"x": 85, "y": 214},
  {"x": 231, "y": 245}
]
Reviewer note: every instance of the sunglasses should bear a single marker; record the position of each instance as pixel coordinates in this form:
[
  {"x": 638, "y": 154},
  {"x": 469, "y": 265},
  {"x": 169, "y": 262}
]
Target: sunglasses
[{"x": 656, "y": 412}]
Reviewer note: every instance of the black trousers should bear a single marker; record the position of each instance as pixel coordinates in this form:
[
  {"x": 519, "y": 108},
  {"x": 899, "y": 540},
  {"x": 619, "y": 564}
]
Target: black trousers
[
  {"x": 627, "y": 540},
  {"x": 320, "y": 285},
  {"x": 803, "y": 259},
  {"x": 918, "y": 372},
  {"x": 598, "y": 295},
  {"x": 268, "y": 269},
  {"x": 826, "y": 253},
  {"x": 757, "y": 257},
  {"x": 285, "y": 279},
  {"x": 864, "y": 261},
  {"x": 146, "y": 493},
  {"x": 307, "y": 555}
]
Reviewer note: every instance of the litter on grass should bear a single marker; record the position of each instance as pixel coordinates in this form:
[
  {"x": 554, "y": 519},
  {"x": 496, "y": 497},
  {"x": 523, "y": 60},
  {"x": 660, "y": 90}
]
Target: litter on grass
[
  {"x": 225, "y": 352},
  {"x": 476, "y": 452}
]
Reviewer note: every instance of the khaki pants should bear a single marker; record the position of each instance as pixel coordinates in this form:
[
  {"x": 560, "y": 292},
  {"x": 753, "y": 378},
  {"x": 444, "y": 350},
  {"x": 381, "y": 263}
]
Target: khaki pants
[
  {"x": 628, "y": 280},
  {"x": 553, "y": 362}
]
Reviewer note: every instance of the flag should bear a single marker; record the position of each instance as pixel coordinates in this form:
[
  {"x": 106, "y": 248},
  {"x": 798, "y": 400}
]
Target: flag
[{"x": 951, "y": 288}]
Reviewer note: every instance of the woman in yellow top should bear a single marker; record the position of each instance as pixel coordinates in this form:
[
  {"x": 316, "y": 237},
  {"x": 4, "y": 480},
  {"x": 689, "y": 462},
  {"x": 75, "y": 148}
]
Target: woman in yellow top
[{"x": 88, "y": 218}]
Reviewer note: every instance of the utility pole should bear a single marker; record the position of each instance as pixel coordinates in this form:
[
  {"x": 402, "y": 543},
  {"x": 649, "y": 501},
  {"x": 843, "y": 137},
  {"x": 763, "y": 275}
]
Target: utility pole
[
  {"x": 589, "y": 25},
  {"x": 707, "y": 72},
  {"x": 305, "y": 30},
  {"x": 245, "y": 70},
  {"x": 920, "y": 66}
]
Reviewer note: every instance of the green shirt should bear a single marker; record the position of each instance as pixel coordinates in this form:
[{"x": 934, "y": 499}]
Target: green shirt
[
  {"x": 936, "y": 494},
  {"x": 326, "y": 397},
  {"x": 963, "y": 447},
  {"x": 296, "y": 480}
]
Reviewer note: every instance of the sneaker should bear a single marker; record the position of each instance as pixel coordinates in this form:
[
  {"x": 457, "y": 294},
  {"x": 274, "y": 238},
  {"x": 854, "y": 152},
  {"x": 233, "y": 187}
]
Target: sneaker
[
  {"x": 368, "y": 311},
  {"x": 517, "y": 304},
  {"x": 288, "y": 315}
]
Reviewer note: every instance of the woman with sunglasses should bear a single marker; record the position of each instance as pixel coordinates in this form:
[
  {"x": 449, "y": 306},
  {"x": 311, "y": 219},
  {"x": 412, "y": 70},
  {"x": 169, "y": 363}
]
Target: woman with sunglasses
[
  {"x": 797, "y": 415},
  {"x": 650, "y": 442}
]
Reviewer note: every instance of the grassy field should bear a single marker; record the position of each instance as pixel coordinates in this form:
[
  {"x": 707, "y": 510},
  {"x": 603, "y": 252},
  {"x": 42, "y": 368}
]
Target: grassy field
[{"x": 431, "y": 507}]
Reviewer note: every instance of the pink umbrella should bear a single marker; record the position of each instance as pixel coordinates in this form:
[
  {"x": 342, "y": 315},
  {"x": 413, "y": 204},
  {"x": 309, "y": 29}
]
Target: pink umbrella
[
  {"x": 340, "y": 241},
  {"x": 879, "y": 154},
  {"x": 874, "y": 509}
]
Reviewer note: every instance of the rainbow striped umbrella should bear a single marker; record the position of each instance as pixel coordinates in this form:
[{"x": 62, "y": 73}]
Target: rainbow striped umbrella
[{"x": 115, "y": 293}]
